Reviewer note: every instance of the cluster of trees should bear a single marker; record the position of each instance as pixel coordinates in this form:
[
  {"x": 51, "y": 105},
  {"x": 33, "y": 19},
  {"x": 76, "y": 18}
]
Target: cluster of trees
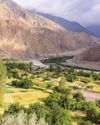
[
  {"x": 16, "y": 74},
  {"x": 57, "y": 59},
  {"x": 64, "y": 98},
  {"x": 19, "y": 65},
  {"x": 37, "y": 114},
  {"x": 72, "y": 74},
  {"x": 3, "y": 72},
  {"x": 93, "y": 75},
  {"x": 21, "y": 118},
  {"x": 56, "y": 110},
  {"x": 23, "y": 83}
]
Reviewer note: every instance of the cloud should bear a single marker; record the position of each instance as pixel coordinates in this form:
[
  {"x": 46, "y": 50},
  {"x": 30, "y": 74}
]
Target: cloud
[
  {"x": 84, "y": 11},
  {"x": 92, "y": 16}
]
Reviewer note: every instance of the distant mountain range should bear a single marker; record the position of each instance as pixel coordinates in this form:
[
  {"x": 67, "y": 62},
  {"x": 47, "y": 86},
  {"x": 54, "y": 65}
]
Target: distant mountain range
[
  {"x": 73, "y": 26},
  {"x": 95, "y": 29}
]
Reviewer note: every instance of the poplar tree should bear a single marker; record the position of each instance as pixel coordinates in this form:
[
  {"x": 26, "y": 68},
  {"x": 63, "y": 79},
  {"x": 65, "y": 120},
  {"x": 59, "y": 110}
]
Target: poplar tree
[{"x": 3, "y": 74}]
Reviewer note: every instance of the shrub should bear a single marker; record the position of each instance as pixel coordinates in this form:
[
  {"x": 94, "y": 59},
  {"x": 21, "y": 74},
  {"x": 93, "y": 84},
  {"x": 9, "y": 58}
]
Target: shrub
[
  {"x": 62, "y": 90},
  {"x": 23, "y": 83},
  {"x": 14, "y": 109},
  {"x": 71, "y": 78},
  {"x": 93, "y": 114},
  {"x": 40, "y": 110},
  {"x": 53, "y": 100},
  {"x": 78, "y": 97},
  {"x": 61, "y": 117}
]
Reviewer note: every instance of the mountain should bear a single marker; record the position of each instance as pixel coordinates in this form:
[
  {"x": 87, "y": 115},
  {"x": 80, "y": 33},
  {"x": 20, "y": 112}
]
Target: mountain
[
  {"x": 69, "y": 25},
  {"x": 88, "y": 59},
  {"x": 95, "y": 29},
  {"x": 91, "y": 55},
  {"x": 25, "y": 35}
]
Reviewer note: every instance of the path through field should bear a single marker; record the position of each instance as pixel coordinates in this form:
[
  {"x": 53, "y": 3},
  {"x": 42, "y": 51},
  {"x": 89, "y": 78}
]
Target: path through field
[{"x": 89, "y": 95}]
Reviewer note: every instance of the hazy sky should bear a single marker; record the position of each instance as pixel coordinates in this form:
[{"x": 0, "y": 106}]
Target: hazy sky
[{"x": 87, "y": 12}]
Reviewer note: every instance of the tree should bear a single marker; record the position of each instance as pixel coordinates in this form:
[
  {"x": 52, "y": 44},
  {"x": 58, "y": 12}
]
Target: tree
[
  {"x": 98, "y": 103},
  {"x": 21, "y": 119},
  {"x": 66, "y": 102},
  {"x": 61, "y": 117},
  {"x": 57, "y": 70},
  {"x": 62, "y": 82},
  {"x": 14, "y": 109},
  {"x": 39, "y": 109},
  {"x": 93, "y": 114},
  {"x": 3, "y": 75},
  {"x": 53, "y": 100},
  {"x": 23, "y": 83},
  {"x": 3, "y": 72},
  {"x": 79, "y": 97},
  {"x": 15, "y": 74},
  {"x": 30, "y": 66},
  {"x": 71, "y": 77},
  {"x": 63, "y": 90}
]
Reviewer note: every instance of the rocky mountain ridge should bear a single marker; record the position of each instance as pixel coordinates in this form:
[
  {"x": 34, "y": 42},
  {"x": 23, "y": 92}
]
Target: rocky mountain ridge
[{"x": 25, "y": 35}]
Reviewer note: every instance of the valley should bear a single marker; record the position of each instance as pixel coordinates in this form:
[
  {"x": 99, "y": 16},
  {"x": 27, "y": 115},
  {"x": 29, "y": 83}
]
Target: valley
[
  {"x": 40, "y": 83},
  {"x": 49, "y": 69},
  {"x": 24, "y": 35}
]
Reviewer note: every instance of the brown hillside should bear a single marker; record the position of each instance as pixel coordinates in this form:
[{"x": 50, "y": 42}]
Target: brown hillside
[
  {"x": 89, "y": 59},
  {"x": 24, "y": 35},
  {"x": 92, "y": 54}
]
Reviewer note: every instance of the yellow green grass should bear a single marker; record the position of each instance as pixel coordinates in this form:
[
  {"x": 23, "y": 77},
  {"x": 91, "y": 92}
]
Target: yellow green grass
[{"x": 26, "y": 97}]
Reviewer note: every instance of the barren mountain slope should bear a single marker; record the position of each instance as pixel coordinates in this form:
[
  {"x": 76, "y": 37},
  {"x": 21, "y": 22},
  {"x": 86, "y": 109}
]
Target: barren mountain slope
[
  {"x": 24, "y": 35},
  {"x": 91, "y": 55},
  {"x": 89, "y": 59}
]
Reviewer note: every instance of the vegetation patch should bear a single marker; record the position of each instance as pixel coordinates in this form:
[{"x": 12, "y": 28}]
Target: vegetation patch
[
  {"x": 59, "y": 59},
  {"x": 45, "y": 96}
]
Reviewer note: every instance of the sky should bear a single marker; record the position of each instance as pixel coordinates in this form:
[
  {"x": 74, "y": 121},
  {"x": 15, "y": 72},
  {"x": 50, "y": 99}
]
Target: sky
[{"x": 86, "y": 12}]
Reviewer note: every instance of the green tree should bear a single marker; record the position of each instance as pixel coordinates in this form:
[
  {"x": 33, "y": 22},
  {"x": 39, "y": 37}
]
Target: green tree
[
  {"x": 79, "y": 97},
  {"x": 66, "y": 101},
  {"x": 14, "y": 109},
  {"x": 71, "y": 77},
  {"x": 61, "y": 117},
  {"x": 3, "y": 72},
  {"x": 53, "y": 100},
  {"x": 63, "y": 90},
  {"x": 98, "y": 103},
  {"x": 23, "y": 83},
  {"x": 3, "y": 75},
  {"x": 30, "y": 66},
  {"x": 62, "y": 81},
  {"x": 93, "y": 114},
  {"x": 41, "y": 110}
]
